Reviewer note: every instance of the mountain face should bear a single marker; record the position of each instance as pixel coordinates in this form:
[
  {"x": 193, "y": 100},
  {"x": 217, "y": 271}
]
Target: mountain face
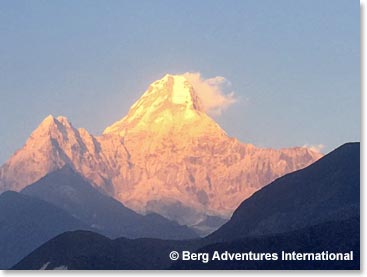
[
  {"x": 327, "y": 190},
  {"x": 165, "y": 156},
  {"x": 312, "y": 210},
  {"x": 26, "y": 223},
  {"x": 69, "y": 191}
]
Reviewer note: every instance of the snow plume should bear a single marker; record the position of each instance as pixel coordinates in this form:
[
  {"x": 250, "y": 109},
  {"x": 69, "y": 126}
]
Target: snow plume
[
  {"x": 211, "y": 92},
  {"x": 316, "y": 148}
]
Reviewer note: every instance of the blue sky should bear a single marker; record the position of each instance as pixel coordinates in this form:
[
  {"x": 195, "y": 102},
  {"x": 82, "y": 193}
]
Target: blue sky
[{"x": 293, "y": 65}]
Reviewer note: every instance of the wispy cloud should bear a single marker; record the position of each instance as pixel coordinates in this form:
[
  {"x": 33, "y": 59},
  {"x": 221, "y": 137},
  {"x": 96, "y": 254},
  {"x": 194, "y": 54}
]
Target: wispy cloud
[{"x": 212, "y": 92}]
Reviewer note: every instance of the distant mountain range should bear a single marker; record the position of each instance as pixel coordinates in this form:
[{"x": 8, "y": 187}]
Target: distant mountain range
[
  {"x": 165, "y": 156},
  {"x": 311, "y": 210}
]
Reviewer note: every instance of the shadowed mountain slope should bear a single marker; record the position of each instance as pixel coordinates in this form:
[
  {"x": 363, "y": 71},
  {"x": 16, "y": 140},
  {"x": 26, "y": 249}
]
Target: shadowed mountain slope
[
  {"x": 88, "y": 250},
  {"x": 327, "y": 190},
  {"x": 26, "y": 223},
  {"x": 71, "y": 192}
]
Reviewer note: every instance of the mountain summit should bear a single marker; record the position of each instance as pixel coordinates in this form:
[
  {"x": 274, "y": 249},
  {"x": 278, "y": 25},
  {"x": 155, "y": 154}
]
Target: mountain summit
[
  {"x": 169, "y": 106},
  {"x": 165, "y": 156}
]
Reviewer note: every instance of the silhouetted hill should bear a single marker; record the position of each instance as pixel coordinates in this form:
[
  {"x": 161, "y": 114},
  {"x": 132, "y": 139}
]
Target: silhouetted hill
[
  {"x": 334, "y": 237},
  {"x": 326, "y": 190},
  {"x": 88, "y": 250},
  {"x": 71, "y": 192},
  {"x": 26, "y": 223}
]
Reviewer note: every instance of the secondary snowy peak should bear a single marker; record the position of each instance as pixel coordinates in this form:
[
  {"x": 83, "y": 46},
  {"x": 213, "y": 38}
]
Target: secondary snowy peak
[
  {"x": 54, "y": 143},
  {"x": 170, "y": 103},
  {"x": 52, "y": 124}
]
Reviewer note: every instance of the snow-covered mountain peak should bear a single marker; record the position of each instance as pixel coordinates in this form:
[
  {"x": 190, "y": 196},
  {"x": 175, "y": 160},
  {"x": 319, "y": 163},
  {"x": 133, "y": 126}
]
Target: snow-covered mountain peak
[
  {"x": 176, "y": 89},
  {"x": 169, "y": 104},
  {"x": 165, "y": 156}
]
